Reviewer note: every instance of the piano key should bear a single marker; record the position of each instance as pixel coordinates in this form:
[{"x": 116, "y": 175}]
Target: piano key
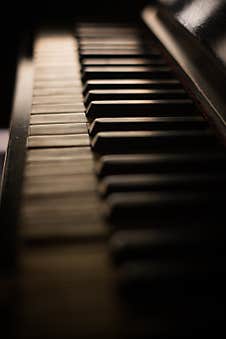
[
  {"x": 83, "y": 43},
  {"x": 106, "y": 24},
  {"x": 52, "y": 78},
  {"x": 58, "y": 108},
  {"x": 51, "y": 40},
  {"x": 63, "y": 57},
  {"x": 76, "y": 84},
  {"x": 56, "y": 92},
  {"x": 118, "y": 38},
  {"x": 112, "y": 35},
  {"x": 128, "y": 245},
  {"x": 140, "y": 108},
  {"x": 48, "y": 205},
  {"x": 131, "y": 84},
  {"x": 55, "y": 77},
  {"x": 145, "y": 141},
  {"x": 47, "y": 228},
  {"x": 59, "y": 99},
  {"x": 141, "y": 205},
  {"x": 52, "y": 64},
  {"x": 48, "y": 45},
  {"x": 93, "y": 24},
  {"x": 115, "y": 47},
  {"x": 161, "y": 163},
  {"x": 67, "y": 213},
  {"x": 64, "y": 61},
  {"x": 78, "y": 140},
  {"x": 50, "y": 230},
  {"x": 60, "y": 53},
  {"x": 55, "y": 69},
  {"x": 123, "y": 45},
  {"x": 148, "y": 124},
  {"x": 58, "y": 62},
  {"x": 119, "y": 58},
  {"x": 53, "y": 129},
  {"x": 92, "y": 73},
  {"x": 47, "y": 58},
  {"x": 95, "y": 29},
  {"x": 52, "y": 118},
  {"x": 122, "y": 62},
  {"x": 111, "y": 40},
  {"x": 161, "y": 281},
  {"x": 46, "y": 73},
  {"x": 41, "y": 186},
  {"x": 58, "y": 155},
  {"x": 46, "y": 164},
  {"x": 45, "y": 40},
  {"x": 157, "y": 182},
  {"x": 134, "y": 94},
  {"x": 57, "y": 57},
  {"x": 112, "y": 53}
]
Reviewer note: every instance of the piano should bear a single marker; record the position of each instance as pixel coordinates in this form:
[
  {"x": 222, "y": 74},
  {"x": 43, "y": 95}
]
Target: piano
[{"x": 113, "y": 188}]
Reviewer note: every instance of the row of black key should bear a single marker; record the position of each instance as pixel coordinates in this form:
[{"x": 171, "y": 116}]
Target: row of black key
[{"x": 157, "y": 160}]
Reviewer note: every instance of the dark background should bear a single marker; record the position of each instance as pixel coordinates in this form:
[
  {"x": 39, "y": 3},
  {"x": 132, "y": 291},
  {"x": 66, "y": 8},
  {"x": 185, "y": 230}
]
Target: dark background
[{"x": 20, "y": 16}]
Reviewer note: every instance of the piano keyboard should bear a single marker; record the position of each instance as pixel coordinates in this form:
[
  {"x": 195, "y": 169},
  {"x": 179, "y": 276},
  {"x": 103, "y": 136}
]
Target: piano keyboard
[{"x": 122, "y": 167}]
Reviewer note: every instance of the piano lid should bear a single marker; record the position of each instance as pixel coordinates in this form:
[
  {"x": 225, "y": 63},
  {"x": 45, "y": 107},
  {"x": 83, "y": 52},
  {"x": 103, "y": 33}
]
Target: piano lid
[{"x": 194, "y": 34}]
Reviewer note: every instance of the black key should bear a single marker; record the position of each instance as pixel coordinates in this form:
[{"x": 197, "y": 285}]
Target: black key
[
  {"x": 131, "y": 84},
  {"x": 117, "y": 40},
  {"x": 106, "y": 24},
  {"x": 102, "y": 35},
  {"x": 161, "y": 163},
  {"x": 164, "y": 280},
  {"x": 112, "y": 53},
  {"x": 177, "y": 243},
  {"x": 122, "y": 62},
  {"x": 164, "y": 204},
  {"x": 107, "y": 47},
  {"x": 145, "y": 141},
  {"x": 106, "y": 28},
  {"x": 134, "y": 94},
  {"x": 112, "y": 43},
  {"x": 99, "y": 32},
  {"x": 140, "y": 108},
  {"x": 147, "y": 124},
  {"x": 123, "y": 40},
  {"x": 158, "y": 182},
  {"x": 126, "y": 73}
]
